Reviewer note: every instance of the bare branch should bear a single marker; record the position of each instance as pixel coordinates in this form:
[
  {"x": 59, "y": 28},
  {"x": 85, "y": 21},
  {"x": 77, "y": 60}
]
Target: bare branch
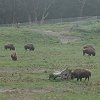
[
  {"x": 45, "y": 12},
  {"x": 82, "y": 6}
]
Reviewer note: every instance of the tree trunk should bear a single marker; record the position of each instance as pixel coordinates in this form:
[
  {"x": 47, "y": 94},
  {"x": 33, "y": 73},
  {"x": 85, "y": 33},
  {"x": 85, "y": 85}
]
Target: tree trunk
[
  {"x": 82, "y": 7},
  {"x": 29, "y": 19}
]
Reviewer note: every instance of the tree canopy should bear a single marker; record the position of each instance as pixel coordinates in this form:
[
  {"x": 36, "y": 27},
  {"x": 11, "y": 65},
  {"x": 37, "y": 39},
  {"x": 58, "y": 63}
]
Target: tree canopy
[{"x": 14, "y": 11}]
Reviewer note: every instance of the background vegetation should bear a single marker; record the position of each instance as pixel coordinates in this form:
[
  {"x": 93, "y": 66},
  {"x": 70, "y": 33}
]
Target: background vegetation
[{"x": 14, "y": 11}]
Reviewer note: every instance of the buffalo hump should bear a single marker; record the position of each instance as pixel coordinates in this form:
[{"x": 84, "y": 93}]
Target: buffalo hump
[{"x": 88, "y": 46}]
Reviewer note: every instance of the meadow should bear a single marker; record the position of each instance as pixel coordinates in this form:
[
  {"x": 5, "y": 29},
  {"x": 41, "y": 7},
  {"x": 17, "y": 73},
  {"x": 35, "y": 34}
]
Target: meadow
[{"x": 27, "y": 78}]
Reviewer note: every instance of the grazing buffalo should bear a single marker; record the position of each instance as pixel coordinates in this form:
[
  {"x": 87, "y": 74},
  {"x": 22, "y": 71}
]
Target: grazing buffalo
[
  {"x": 29, "y": 46},
  {"x": 14, "y": 56},
  {"x": 80, "y": 73},
  {"x": 89, "y": 51},
  {"x": 9, "y": 46}
]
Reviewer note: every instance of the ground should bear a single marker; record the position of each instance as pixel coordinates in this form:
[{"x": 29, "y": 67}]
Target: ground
[
  {"x": 55, "y": 49},
  {"x": 60, "y": 35}
]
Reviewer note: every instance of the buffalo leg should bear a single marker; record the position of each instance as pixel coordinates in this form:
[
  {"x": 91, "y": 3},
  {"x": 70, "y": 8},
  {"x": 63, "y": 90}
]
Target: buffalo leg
[
  {"x": 77, "y": 79},
  {"x": 80, "y": 79},
  {"x": 85, "y": 78},
  {"x": 88, "y": 78}
]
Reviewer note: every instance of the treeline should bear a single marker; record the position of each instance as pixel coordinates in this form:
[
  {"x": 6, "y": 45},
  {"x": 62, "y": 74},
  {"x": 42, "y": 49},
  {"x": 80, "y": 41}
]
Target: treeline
[{"x": 14, "y": 11}]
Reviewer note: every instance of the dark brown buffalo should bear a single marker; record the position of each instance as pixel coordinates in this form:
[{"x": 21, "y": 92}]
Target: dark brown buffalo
[
  {"x": 29, "y": 47},
  {"x": 80, "y": 73},
  {"x": 89, "y": 51},
  {"x": 9, "y": 46},
  {"x": 88, "y": 46},
  {"x": 14, "y": 56}
]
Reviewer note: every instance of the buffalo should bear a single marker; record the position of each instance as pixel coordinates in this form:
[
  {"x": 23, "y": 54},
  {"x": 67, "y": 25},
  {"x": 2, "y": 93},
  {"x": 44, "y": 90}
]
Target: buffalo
[
  {"x": 9, "y": 46},
  {"x": 14, "y": 56},
  {"x": 89, "y": 51},
  {"x": 80, "y": 73},
  {"x": 29, "y": 47}
]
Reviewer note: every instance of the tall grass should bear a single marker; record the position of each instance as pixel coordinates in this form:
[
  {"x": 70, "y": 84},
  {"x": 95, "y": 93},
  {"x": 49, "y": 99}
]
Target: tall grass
[{"x": 31, "y": 70}]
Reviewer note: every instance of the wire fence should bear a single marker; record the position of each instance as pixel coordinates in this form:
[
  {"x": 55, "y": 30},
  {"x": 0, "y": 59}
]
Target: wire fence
[{"x": 75, "y": 20}]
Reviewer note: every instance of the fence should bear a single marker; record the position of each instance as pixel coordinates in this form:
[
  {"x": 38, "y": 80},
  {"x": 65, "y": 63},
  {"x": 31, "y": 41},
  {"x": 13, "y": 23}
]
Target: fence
[
  {"x": 75, "y": 19},
  {"x": 58, "y": 21}
]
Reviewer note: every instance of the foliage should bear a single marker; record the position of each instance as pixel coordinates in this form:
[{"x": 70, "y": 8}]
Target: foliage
[{"x": 14, "y": 11}]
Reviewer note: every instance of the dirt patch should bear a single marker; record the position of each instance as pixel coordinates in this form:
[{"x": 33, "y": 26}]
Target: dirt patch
[
  {"x": 23, "y": 94},
  {"x": 60, "y": 35},
  {"x": 26, "y": 91},
  {"x": 68, "y": 39},
  {"x": 20, "y": 70}
]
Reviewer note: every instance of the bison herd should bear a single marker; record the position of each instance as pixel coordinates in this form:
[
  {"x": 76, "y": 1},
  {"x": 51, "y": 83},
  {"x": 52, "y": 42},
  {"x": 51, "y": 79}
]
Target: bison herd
[
  {"x": 28, "y": 46},
  {"x": 87, "y": 49},
  {"x": 77, "y": 73},
  {"x": 10, "y": 46}
]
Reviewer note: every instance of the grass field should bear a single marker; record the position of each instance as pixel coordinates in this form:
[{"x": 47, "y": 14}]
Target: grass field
[{"x": 27, "y": 78}]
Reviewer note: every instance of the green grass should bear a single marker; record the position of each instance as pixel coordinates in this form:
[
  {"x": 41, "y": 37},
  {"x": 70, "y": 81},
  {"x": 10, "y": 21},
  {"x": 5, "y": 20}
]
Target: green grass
[{"x": 28, "y": 73}]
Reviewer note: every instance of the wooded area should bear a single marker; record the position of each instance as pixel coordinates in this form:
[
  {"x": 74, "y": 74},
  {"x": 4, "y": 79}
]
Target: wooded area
[{"x": 14, "y": 11}]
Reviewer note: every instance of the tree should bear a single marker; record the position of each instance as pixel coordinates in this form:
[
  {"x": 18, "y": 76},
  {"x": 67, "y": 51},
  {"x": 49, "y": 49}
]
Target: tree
[
  {"x": 82, "y": 2},
  {"x": 14, "y": 11},
  {"x": 46, "y": 10}
]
